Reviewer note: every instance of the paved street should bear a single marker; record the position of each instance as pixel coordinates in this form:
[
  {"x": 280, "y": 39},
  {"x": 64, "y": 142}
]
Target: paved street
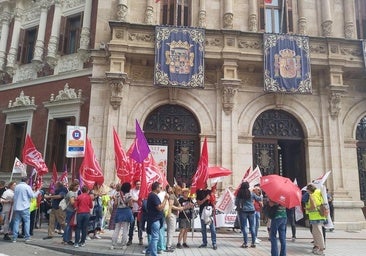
[{"x": 339, "y": 243}]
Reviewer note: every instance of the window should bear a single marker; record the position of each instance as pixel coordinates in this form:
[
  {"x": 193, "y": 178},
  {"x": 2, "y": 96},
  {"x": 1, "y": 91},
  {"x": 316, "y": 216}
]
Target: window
[
  {"x": 13, "y": 144},
  {"x": 70, "y": 30},
  {"x": 175, "y": 12},
  {"x": 27, "y": 42},
  {"x": 56, "y": 142},
  {"x": 275, "y": 16},
  {"x": 361, "y": 18}
]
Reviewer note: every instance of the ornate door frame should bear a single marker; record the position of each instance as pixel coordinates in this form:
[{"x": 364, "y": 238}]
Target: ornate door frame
[
  {"x": 176, "y": 127},
  {"x": 278, "y": 145}
]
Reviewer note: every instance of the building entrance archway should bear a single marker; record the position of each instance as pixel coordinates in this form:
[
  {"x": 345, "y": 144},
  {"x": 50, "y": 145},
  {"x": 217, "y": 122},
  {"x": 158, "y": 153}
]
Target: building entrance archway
[
  {"x": 177, "y": 128},
  {"x": 278, "y": 145}
]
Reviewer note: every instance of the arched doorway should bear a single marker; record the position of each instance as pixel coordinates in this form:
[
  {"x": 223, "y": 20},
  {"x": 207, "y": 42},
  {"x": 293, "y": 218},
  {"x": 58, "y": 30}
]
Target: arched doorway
[
  {"x": 175, "y": 127},
  {"x": 361, "y": 156},
  {"x": 278, "y": 145}
]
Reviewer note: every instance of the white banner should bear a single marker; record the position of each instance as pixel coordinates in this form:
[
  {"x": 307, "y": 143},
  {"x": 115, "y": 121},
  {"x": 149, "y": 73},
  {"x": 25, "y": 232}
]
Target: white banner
[
  {"x": 160, "y": 155},
  {"x": 226, "y": 202},
  {"x": 19, "y": 167}
]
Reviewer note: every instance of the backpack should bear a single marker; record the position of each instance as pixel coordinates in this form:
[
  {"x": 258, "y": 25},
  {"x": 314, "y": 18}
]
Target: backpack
[{"x": 324, "y": 210}]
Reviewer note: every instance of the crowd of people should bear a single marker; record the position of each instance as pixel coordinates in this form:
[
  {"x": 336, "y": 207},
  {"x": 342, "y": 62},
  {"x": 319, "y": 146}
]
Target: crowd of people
[{"x": 87, "y": 212}]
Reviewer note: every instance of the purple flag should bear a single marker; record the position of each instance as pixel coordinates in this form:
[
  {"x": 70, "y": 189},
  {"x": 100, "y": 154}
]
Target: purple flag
[{"x": 141, "y": 149}]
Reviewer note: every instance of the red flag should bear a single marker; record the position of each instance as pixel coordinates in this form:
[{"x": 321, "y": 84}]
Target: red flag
[
  {"x": 63, "y": 178},
  {"x": 141, "y": 149},
  {"x": 90, "y": 171},
  {"x": 144, "y": 189},
  {"x": 33, "y": 157},
  {"x": 200, "y": 177},
  {"x": 121, "y": 160},
  {"x": 156, "y": 1},
  {"x": 154, "y": 172},
  {"x": 246, "y": 174},
  {"x": 266, "y": 1},
  {"x": 54, "y": 179}
]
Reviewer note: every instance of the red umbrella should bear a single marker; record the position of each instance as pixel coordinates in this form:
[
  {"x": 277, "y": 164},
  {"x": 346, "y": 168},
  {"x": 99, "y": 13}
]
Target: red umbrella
[
  {"x": 281, "y": 190},
  {"x": 217, "y": 171}
]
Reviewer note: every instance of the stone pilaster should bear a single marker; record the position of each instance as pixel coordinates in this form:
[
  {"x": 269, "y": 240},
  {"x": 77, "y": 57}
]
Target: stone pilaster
[
  {"x": 228, "y": 15},
  {"x": 202, "y": 14},
  {"x": 53, "y": 43},
  {"x": 349, "y": 26},
  {"x": 39, "y": 47},
  {"x": 149, "y": 12},
  {"x": 302, "y": 21},
  {"x": 5, "y": 21},
  {"x": 327, "y": 21},
  {"x": 83, "y": 51},
  {"x": 13, "y": 52},
  {"x": 122, "y": 9},
  {"x": 253, "y": 16}
]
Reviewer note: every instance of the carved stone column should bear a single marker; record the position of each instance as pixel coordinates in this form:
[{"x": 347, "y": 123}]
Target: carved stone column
[
  {"x": 202, "y": 14},
  {"x": 122, "y": 10},
  {"x": 349, "y": 26},
  {"x": 327, "y": 22},
  {"x": 302, "y": 21},
  {"x": 228, "y": 15},
  {"x": 253, "y": 18},
  {"x": 85, "y": 31},
  {"x": 39, "y": 47},
  {"x": 13, "y": 52},
  {"x": 116, "y": 83},
  {"x": 5, "y": 21},
  {"x": 53, "y": 43},
  {"x": 149, "y": 12}
]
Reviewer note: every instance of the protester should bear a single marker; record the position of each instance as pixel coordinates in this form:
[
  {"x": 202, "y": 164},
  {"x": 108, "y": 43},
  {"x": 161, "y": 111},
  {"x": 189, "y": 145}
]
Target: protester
[
  {"x": 7, "y": 203},
  {"x": 2, "y": 190},
  {"x": 23, "y": 194},
  {"x": 203, "y": 199},
  {"x": 316, "y": 220},
  {"x": 172, "y": 214},
  {"x": 291, "y": 220},
  {"x": 33, "y": 211},
  {"x": 56, "y": 214},
  {"x": 185, "y": 218},
  {"x": 258, "y": 205},
  {"x": 278, "y": 224},
  {"x": 155, "y": 217},
  {"x": 244, "y": 203},
  {"x": 83, "y": 205},
  {"x": 124, "y": 216},
  {"x": 331, "y": 207},
  {"x": 99, "y": 190},
  {"x": 70, "y": 211},
  {"x": 135, "y": 209}
]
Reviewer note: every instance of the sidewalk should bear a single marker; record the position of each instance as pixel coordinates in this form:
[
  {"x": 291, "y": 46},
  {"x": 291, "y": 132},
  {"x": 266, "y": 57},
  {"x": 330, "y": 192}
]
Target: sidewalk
[{"x": 339, "y": 243}]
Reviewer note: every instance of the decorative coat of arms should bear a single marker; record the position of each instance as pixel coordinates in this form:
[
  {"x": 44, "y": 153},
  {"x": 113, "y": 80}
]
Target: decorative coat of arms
[
  {"x": 287, "y": 64},
  {"x": 179, "y": 57}
]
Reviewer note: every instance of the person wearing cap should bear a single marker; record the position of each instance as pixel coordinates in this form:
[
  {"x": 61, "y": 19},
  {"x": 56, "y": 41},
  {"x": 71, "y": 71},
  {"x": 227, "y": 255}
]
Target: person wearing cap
[
  {"x": 185, "y": 218},
  {"x": 23, "y": 194}
]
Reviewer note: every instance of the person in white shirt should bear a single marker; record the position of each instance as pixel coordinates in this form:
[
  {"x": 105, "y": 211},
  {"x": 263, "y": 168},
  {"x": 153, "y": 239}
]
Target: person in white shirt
[
  {"x": 135, "y": 191},
  {"x": 7, "y": 202}
]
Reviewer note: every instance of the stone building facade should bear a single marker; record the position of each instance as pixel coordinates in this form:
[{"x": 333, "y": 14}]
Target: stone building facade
[{"x": 298, "y": 136}]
